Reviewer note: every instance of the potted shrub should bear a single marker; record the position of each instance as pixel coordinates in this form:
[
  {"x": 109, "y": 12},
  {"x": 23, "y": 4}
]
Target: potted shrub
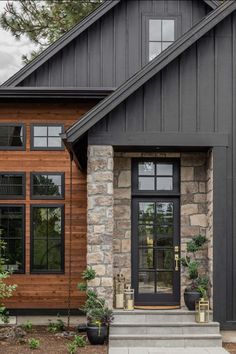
[
  {"x": 99, "y": 316},
  {"x": 198, "y": 285}
]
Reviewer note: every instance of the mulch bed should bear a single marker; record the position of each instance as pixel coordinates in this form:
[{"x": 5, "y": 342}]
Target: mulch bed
[
  {"x": 49, "y": 344},
  {"x": 231, "y": 347}
]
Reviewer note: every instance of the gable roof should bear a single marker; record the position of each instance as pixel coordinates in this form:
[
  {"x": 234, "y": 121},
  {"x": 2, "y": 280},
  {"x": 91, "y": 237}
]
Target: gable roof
[
  {"x": 135, "y": 82},
  {"x": 68, "y": 37},
  {"x": 61, "y": 42}
]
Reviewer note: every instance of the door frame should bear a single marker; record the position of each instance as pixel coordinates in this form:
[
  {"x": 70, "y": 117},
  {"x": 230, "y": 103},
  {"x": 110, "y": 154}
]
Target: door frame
[{"x": 136, "y": 196}]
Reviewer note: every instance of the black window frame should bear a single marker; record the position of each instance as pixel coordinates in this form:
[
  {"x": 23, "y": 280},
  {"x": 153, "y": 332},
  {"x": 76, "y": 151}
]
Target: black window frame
[
  {"x": 47, "y": 197},
  {"x": 176, "y": 177},
  {"x": 15, "y": 148},
  {"x": 2, "y": 205},
  {"x": 145, "y": 31},
  {"x": 15, "y": 197},
  {"x": 41, "y": 272},
  {"x": 42, "y": 148}
]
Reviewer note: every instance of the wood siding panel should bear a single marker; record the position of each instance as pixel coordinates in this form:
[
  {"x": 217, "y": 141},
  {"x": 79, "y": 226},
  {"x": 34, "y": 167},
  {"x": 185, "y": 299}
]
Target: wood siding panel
[
  {"x": 48, "y": 291},
  {"x": 116, "y": 45}
]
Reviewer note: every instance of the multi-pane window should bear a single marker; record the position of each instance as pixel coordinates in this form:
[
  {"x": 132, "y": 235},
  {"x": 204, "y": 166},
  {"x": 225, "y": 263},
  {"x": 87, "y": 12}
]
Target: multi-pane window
[
  {"x": 12, "y": 137},
  {"x": 161, "y": 35},
  {"x": 46, "y": 137},
  {"x": 158, "y": 176},
  {"x": 153, "y": 176},
  {"x": 12, "y": 185},
  {"x": 12, "y": 233},
  {"x": 47, "y": 238},
  {"x": 47, "y": 185}
]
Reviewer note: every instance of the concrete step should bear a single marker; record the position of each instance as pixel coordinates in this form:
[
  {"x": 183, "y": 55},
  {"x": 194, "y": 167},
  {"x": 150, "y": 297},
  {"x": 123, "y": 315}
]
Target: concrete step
[
  {"x": 164, "y": 328},
  {"x": 167, "y": 351},
  {"x": 164, "y": 341},
  {"x": 154, "y": 316}
]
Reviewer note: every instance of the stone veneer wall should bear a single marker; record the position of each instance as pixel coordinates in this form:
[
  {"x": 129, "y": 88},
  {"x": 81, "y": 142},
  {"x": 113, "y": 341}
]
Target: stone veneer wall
[
  {"x": 196, "y": 207},
  {"x": 100, "y": 219}
]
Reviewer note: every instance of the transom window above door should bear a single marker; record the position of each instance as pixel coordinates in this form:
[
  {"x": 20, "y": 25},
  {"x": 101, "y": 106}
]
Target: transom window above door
[
  {"x": 46, "y": 137},
  {"x": 156, "y": 176},
  {"x": 161, "y": 35}
]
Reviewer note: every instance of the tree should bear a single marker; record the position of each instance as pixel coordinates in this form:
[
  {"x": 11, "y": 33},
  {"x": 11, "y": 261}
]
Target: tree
[{"x": 43, "y": 22}]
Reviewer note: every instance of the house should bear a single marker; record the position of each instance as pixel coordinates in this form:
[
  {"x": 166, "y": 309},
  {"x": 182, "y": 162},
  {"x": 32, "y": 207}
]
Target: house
[{"x": 143, "y": 95}]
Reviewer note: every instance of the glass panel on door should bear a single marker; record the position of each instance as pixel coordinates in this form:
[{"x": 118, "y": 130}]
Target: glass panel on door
[{"x": 155, "y": 247}]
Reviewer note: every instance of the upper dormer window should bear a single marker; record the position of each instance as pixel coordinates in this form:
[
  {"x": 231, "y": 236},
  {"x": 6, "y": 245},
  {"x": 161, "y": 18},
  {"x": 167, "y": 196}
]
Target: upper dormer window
[{"x": 161, "y": 35}]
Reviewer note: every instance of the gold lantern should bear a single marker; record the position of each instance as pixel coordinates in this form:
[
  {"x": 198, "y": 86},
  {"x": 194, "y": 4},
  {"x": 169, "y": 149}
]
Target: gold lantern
[
  {"x": 129, "y": 299},
  {"x": 202, "y": 311},
  {"x": 119, "y": 291}
]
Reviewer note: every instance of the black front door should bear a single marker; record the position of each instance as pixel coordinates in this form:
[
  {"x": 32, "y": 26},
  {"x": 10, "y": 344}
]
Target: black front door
[{"x": 155, "y": 233}]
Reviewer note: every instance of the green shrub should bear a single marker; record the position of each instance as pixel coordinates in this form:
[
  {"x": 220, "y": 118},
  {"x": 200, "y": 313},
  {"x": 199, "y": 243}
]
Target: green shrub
[
  {"x": 6, "y": 290},
  {"x": 72, "y": 348},
  {"x": 80, "y": 341},
  {"x": 27, "y": 326},
  {"x": 57, "y": 326},
  {"x": 33, "y": 343},
  {"x": 192, "y": 264}
]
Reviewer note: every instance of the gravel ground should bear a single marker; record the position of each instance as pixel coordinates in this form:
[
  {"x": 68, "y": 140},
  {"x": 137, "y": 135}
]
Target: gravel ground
[
  {"x": 231, "y": 347},
  {"x": 49, "y": 344}
]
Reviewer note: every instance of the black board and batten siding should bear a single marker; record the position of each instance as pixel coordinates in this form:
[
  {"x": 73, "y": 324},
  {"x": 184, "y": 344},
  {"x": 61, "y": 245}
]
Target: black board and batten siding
[
  {"x": 192, "y": 103},
  {"x": 112, "y": 49}
]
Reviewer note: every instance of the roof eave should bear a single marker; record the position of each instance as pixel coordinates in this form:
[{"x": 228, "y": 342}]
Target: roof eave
[
  {"x": 54, "y": 93},
  {"x": 212, "y": 3}
]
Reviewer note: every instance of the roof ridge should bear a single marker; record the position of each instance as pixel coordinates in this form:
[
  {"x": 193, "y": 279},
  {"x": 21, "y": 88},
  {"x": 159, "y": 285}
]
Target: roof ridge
[{"x": 148, "y": 71}]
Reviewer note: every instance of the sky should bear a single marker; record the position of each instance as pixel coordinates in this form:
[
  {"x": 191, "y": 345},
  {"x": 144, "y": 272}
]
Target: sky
[{"x": 11, "y": 51}]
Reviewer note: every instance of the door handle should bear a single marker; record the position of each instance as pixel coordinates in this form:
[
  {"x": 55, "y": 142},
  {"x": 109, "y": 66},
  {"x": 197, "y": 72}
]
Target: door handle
[{"x": 176, "y": 262}]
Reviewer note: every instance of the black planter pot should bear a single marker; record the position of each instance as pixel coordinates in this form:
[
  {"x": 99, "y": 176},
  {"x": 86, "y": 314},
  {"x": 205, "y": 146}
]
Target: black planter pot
[
  {"x": 97, "y": 335},
  {"x": 190, "y": 297}
]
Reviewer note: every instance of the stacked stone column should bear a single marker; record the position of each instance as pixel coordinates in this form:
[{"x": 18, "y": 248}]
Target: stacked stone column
[{"x": 100, "y": 219}]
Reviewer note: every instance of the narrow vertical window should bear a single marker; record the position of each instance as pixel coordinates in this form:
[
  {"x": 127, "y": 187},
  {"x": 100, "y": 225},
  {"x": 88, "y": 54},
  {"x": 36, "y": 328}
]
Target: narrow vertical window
[
  {"x": 161, "y": 35},
  {"x": 47, "y": 239},
  {"x": 12, "y": 233}
]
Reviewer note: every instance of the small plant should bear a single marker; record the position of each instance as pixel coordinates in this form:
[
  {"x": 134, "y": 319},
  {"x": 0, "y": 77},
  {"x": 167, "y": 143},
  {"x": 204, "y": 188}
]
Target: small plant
[
  {"x": 27, "y": 326},
  {"x": 190, "y": 262},
  {"x": 72, "y": 348},
  {"x": 95, "y": 308},
  {"x": 4, "y": 314},
  {"x": 33, "y": 343},
  {"x": 80, "y": 341},
  {"x": 57, "y": 326},
  {"x": 6, "y": 290},
  {"x": 87, "y": 275}
]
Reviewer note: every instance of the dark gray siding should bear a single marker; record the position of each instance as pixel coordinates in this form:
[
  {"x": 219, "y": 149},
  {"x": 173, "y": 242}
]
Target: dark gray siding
[
  {"x": 193, "y": 94},
  {"x": 192, "y": 103},
  {"x": 112, "y": 49}
]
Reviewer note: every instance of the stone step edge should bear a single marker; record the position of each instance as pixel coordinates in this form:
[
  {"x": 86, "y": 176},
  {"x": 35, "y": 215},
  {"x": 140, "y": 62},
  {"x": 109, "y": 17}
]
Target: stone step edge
[
  {"x": 155, "y": 312},
  {"x": 165, "y": 324},
  {"x": 167, "y": 336}
]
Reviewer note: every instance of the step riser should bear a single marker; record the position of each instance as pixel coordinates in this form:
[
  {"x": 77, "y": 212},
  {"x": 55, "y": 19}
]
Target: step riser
[
  {"x": 164, "y": 330},
  {"x": 155, "y": 318},
  {"x": 162, "y": 343}
]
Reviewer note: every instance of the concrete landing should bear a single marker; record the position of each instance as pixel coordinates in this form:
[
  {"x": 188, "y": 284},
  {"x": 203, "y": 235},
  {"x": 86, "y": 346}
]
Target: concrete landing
[{"x": 167, "y": 351}]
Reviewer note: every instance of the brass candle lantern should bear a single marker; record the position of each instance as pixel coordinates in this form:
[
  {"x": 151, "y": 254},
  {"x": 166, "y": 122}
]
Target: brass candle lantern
[
  {"x": 129, "y": 299},
  {"x": 202, "y": 311},
  {"x": 119, "y": 291}
]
